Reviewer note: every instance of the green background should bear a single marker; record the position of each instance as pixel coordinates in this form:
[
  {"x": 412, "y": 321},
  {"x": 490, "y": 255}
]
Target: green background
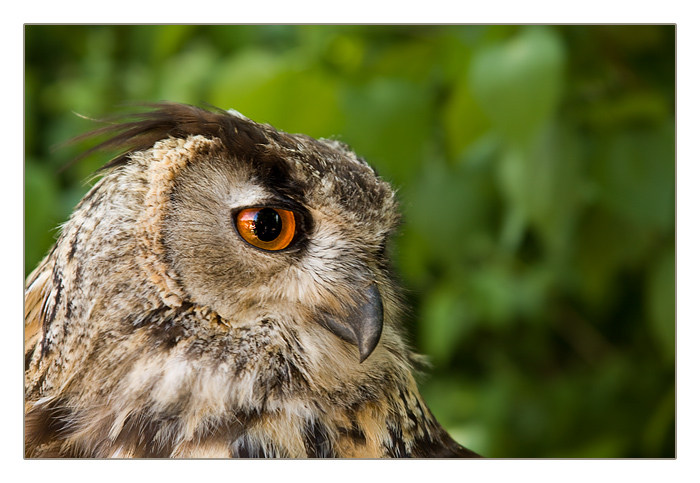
[{"x": 536, "y": 170}]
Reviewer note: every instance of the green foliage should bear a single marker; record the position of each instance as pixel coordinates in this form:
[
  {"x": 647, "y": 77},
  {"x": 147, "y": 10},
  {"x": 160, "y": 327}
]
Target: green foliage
[{"x": 536, "y": 166}]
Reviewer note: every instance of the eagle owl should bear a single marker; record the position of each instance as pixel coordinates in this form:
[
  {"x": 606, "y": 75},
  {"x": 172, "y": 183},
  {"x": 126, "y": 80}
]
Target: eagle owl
[{"x": 223, "y": 291}]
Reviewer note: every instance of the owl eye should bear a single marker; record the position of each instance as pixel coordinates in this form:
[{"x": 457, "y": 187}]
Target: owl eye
[{"x": 266, "y": 228}]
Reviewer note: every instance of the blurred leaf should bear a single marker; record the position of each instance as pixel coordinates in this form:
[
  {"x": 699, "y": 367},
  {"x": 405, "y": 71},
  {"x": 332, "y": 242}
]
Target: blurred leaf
[
  {"x": 633, "y": 107},
  {"x": 543, "y": 185},
  {"x": 606, "y": 245},
  {"x": 258, "y": 84},
  {"x": 185, "y": 76},
  {"x": 661, "y": 303},
  {"x": 464, "y": 119},
  {"x": 389, "y": 121},
  {"x": 636, "y": 171},
  {"x": 40, "y": 194},
  {"x": 347, "y": 52},
  {"x": 493, "y": 290},
  {"x": 598, "y": 447},
  {"x": 407, "y": 60},
  {"x": 168, "y": 40},
  {"x": 241, "y": 80},
  {"x": 661, "y": 426},
  {"x": 519, "y": 82},
  {"x": 444, "y": 320},
  {"x": 446, "y": 207}
]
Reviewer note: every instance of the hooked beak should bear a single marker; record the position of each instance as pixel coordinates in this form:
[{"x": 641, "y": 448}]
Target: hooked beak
[{"x": 362, "y": 326}]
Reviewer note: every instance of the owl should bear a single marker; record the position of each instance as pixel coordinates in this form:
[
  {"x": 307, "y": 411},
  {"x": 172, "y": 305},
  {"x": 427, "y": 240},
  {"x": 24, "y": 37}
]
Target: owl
[{"x": 224, "y": 291}]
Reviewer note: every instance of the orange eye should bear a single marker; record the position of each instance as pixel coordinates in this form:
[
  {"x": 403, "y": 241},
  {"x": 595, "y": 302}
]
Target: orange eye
[{"x": 266, "y": 228}]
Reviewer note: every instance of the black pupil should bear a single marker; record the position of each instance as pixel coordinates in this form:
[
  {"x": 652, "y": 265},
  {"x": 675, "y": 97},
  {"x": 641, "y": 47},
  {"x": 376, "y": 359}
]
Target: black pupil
[{"x": 268, "y": 224}]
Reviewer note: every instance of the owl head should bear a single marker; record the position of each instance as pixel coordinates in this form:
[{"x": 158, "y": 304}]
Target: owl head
[{"x": 212, "y": 209}]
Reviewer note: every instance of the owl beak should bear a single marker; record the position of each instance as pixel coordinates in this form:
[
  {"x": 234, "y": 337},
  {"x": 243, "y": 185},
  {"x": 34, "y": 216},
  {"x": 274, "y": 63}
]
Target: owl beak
[{"x": 362, "y": 326}]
